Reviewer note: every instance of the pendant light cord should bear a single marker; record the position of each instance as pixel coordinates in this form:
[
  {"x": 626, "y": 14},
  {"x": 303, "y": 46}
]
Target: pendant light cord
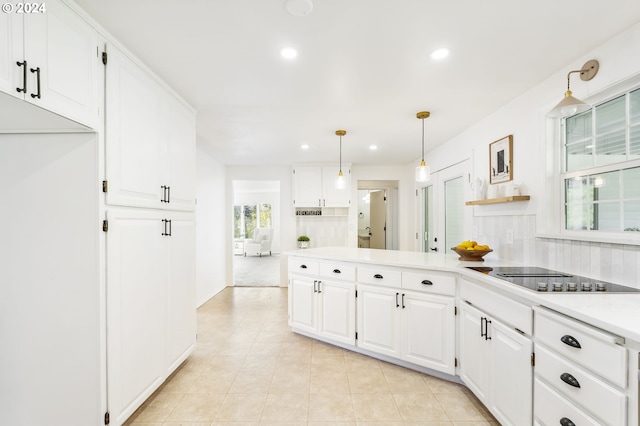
[
  {"x": 423, "y": 139},
  {"x": 341, "y": 154}
]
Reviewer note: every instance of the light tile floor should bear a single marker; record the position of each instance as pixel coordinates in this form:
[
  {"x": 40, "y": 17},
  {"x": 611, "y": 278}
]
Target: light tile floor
[{"x": 250, "y": 369}]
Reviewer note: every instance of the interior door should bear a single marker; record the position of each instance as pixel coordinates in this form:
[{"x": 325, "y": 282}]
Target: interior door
[{"x": 378, "y": 218}]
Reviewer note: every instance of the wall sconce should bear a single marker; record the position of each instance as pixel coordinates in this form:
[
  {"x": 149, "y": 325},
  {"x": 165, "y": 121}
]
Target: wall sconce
[
  {"x": 570, "y": 105},
  {"x": 340, "y": 182},
  {"x": 423, "y": 172}
]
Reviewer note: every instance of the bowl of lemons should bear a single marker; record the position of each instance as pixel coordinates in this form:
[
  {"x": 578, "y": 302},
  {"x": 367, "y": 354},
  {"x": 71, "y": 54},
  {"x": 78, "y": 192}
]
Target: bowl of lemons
[{"x": 471, "y": 251}]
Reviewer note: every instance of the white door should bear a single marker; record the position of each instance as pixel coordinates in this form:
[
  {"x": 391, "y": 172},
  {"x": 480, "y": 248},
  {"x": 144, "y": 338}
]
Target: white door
[
  {"x": 307, "y": 186},
  {"x": 303, "y": 303},
  {"x": 179, "y": 173},
  {"x": 332, "y": 196},
  {"x": 133, "y": 154},
  {"x": 378, "y": 221},
  {"x": 136, "y": 309},
  {"x": 337, "y": 311},
  {"x": 474, "y": 351},
  {"x": 11, "y": 52},
  {"x": 428, "y": 327},
  {"x": 379, "y": 320},
  {"x": 512, "y": 378},
  {"x": 181, "y": 246},
  {"x": 64, "y": 54}
]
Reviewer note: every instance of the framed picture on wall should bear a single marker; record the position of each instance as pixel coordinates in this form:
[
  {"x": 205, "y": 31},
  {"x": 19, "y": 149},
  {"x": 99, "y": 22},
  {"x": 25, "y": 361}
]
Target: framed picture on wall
[{"x": 501, "y": 160}]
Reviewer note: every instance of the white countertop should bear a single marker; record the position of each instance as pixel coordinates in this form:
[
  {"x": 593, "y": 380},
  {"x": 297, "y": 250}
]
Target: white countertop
[{"x": 616, "y": 313}]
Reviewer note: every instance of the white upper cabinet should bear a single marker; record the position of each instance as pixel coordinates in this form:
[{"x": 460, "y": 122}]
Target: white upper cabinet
[
  {"x": 150, "y": 140},
  {"x": 314, "y": 186},
  {"x": 52, "y": 59}
]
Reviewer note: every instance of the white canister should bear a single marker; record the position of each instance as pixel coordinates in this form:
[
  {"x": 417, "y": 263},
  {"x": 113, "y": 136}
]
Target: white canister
[
  {"x": 513, "y": 190},
  {"x": 493, "y": 191}
]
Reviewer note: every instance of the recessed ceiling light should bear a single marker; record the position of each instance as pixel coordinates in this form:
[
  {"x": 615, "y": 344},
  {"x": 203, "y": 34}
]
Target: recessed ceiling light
[
  {"x": 304, "y": 146},
  {"x": 373, "y": 147},
  {"x": 289, "y": 53},
  {"x": 439, "y": 54},
  {"x": 298, "y": 7}
]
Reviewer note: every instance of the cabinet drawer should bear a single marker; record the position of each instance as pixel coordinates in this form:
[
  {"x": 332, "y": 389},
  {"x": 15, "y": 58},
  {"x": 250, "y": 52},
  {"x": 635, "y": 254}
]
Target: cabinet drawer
[
  {"x": 598, "y": 351},
  {"x": 593, "y": 395},
  {"x": 301, "y": 265},
  {"x": 379, "y": 276},
  {"x": 549, "y": 407},
  {"x": 430, "y": 282},
  {"x": 513, "y": 313},
  {"x": 338, "y": 271}
]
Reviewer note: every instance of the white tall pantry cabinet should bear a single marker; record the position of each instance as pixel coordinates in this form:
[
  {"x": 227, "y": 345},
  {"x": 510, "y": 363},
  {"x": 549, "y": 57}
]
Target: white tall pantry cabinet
[{"x": 97, "y": 301}]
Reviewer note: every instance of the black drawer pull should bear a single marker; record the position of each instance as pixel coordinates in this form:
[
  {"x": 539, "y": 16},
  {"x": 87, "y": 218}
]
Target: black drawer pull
[
  {"x": 378, "y": 276},
  {"x": 571, "y": 341},
  {"x": 336, "y": 271},
  {"x": 566, "y": 422},
  {"x": 427, "y": 282},
  {"x": 570, "y": 380},
  {"x": 23, "y": 89},
  {"x": 303, "y": 266},
  {"x": 397, "y": 304}
]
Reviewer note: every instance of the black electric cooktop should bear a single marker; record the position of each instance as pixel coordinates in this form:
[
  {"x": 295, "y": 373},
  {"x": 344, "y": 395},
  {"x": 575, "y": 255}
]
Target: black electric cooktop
[{"x": 546, "y": 280}]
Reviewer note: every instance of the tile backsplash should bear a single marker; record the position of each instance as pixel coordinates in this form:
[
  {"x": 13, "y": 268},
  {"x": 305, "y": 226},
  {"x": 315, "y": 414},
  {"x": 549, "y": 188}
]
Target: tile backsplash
[
  {"x": 617, "y": 263},
  {"x": 324, "y": 231}
]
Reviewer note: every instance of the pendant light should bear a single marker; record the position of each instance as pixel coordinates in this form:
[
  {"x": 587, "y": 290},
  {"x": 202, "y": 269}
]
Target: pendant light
[
  {"x": 340, "y": 182},
  {"x": 569, "y": 105},
  {"x": 423, "y": 172}
]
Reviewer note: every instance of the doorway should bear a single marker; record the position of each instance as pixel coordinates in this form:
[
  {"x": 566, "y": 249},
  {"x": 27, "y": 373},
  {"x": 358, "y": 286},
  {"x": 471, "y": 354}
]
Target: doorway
[
  {"x": 256, "y": 211},
  {"x": 377, "y": 214},
  {"x": 444, "y": 219}
]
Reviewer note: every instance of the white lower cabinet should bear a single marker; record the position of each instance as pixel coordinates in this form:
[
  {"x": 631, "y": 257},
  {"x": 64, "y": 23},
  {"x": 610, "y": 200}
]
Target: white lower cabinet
[
  {"x": 495, "y": 363},
  {"x": 150, "y": 304},
  {"x": 323, "y": 307},
  {"x": 415, "y": 327}
]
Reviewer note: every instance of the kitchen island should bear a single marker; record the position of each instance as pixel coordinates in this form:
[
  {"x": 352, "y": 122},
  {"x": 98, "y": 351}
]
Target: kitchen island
[{"x": 429, "y": 312}]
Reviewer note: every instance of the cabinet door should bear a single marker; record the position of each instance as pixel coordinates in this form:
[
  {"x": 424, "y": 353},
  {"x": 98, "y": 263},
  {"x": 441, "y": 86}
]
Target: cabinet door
[
  {"x": 11, "y": 52},
  {"x": 337, "y": 311},
  {"x": 379, "y": 320},
  {"x": 136, "y": 310},
  {"x": 67, "y": 51},
  {"x": 331, "y": 196},
  {"x": 181, "y": 337},
  {"x": 303, "y": 303},
  {"x": 512, "y": 376},
  {"x": 307, "y": 186},
  {"x": 133, "y": 154},
  {"x": 428, "y": 329},
  {"x": 474, "y": 350},
  {"x": 179, "y": 171}
]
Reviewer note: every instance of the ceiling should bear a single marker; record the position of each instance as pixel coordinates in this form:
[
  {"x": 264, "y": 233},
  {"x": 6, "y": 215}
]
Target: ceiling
[{"x": 362, "y": 65}]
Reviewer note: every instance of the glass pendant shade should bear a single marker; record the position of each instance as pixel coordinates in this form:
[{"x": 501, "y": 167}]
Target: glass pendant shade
[
  {"x": 423, "y": 172},
  {"x": 340, "y": 182}
]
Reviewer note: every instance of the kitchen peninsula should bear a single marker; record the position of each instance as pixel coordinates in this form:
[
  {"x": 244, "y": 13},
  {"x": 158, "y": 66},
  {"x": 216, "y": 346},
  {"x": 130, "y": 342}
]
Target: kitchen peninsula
[{"x": 528, "y": 356}]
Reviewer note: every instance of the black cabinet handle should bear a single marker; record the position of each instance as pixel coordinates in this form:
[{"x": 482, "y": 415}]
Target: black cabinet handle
[
  {"x": 37, "y": 71},
  {"x": 319, "y": 291},
  {"x": 571, "y": 341},
  {"x": 314, "y": 286},
  {"x": 24, "y": 77},
  {"x": 168, "y": 194},
  {"x": 570, "y": 380},
  {"x": 303, "y": 266},
  {"x": 337, "y": 271},
  {"x": 378, "y": 276},
  {"x": 165, "y": 224},
  {"x": 427, "y": 282},
  {"x": 403, "y": 306},
  {"x": 164, "y": 194},
  {"x": 397, "y": 304},
  {"x": 484, "y": 331},
  {"x": 566, "y": 422}
]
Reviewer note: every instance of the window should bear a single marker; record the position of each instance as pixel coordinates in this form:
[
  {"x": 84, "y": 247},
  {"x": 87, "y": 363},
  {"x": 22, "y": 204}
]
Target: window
[
  {"x": 246, "y": 218},
  {"x": 602, "y": 166}
]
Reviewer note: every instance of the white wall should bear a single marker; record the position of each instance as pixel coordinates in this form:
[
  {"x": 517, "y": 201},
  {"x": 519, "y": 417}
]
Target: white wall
[
  {"x": 283, "y": 174},
  {"x": 211, "y": 248},
  {"x": 525, "y": 118}
]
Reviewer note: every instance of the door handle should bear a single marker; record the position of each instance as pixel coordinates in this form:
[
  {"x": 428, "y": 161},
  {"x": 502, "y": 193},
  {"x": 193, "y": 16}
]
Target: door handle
[
  {"x": 314, "y": 286},
  {"x": 397, "y": 304},
  {"x": 164, "y": 194},
  {"x": 37, "y": 71},
  {"x": 403, "y": 306},
  {"x": 319, "y": 291},
  {"x": 24, "y": 77}
]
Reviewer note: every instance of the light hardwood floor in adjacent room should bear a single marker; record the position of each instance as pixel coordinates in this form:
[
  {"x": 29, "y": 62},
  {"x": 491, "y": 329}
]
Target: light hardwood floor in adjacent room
[{"x": 250, "y": 369}]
